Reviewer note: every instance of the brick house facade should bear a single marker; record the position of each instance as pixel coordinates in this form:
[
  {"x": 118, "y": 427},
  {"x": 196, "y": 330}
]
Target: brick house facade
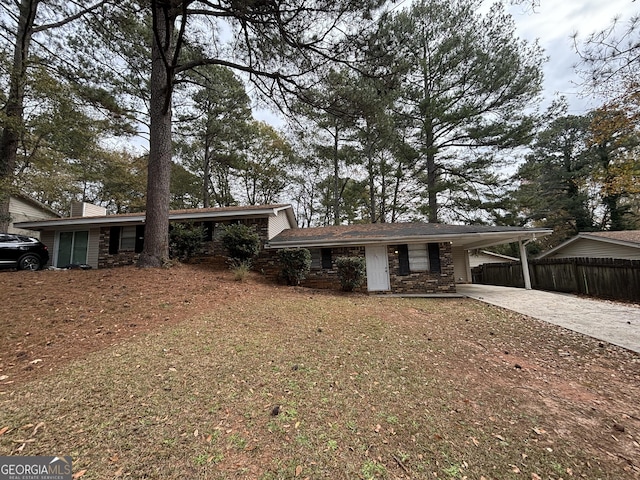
[
  {"x": 418, "y": 282},
  {"x": 402, "y": 258},
  {"x": 213, "y": 251}
]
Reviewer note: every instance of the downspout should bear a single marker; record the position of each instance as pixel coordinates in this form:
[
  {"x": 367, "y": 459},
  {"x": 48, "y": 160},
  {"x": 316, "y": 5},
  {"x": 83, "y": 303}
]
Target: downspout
[{"x": 525, "y": 263}]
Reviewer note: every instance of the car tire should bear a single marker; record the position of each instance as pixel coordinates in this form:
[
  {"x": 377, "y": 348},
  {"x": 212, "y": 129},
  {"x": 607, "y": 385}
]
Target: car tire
[{"x": 29, "y": 262}]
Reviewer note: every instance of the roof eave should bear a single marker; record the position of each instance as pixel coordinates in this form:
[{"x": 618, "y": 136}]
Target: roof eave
[
  {"x": 138, "y": 219},
  {"x": 483, "y": 241},
  {"x": 615, "y": 241}
]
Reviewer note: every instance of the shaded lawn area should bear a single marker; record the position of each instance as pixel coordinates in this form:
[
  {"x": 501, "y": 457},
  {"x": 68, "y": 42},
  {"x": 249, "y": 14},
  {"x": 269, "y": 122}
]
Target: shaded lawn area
[{"x": 223, "y": 380}]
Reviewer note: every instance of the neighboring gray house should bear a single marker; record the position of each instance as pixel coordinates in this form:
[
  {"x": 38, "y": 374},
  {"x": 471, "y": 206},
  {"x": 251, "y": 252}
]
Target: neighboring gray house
[
  {"x": 23, "y": 208},
  {"x": 94, "y": 238},
  {"x": 624, "y": 244}
]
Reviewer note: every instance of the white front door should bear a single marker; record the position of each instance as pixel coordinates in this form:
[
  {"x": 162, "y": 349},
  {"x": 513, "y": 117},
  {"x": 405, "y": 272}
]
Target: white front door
[{"x": 377, "y": 268}]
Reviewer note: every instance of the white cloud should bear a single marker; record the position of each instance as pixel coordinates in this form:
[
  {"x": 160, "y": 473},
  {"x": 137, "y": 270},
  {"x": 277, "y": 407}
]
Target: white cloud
[{"x": 553, "y": 23}]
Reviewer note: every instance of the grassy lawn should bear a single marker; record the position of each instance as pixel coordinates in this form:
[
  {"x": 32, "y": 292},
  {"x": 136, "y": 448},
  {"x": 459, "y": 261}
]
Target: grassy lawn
[{"x": 269, "y": 382}]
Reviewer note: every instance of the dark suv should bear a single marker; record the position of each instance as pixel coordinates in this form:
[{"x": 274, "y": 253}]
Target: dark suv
[{"x": 23, "y": 253}]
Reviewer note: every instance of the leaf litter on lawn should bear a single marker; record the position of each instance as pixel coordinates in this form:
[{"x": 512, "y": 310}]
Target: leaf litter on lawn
[{"x": 365, "y": 387}]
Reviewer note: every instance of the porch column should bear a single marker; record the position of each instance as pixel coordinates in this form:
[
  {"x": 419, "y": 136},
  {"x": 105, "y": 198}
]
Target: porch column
[
  {"x": 467, "y": 266},
  {"x": 525, "y": 266}
]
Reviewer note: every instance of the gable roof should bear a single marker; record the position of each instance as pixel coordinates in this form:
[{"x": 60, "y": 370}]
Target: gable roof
[
  {"x": 35, "y": 203},
  {"x": 192, "y": 214},
  {"x": 627, "y": 238},
  {"x": 467, "y": 236}
]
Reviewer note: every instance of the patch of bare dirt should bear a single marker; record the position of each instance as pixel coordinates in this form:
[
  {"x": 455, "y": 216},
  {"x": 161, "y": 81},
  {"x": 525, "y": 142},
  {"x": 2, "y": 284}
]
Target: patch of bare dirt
[{"x": 49, "y": 318}]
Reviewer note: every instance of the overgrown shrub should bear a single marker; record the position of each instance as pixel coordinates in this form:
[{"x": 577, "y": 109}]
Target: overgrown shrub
[
  {"x": 185, "y": 240},
  {"x": 242, "y": 243},
  {"x": 296, "y": 263},
  {"x": 351, "y": 272}
]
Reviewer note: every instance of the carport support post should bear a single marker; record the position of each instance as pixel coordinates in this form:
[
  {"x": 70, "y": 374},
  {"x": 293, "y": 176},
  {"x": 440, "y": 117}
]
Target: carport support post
[{"x": 525, "y": 265}]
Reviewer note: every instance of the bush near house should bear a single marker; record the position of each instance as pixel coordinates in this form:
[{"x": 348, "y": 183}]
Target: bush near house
[
  {"x": 185, "y": 240},
  {"x": 351, "y": 272},
  {"x": 296, "y": 263},
  {"x": 242, "y": 244}
]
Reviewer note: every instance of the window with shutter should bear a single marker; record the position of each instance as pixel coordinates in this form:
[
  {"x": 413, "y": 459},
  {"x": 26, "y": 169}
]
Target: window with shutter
[
  {"x": 418, "y": 258},
  {"x": 128, "y": 238}
]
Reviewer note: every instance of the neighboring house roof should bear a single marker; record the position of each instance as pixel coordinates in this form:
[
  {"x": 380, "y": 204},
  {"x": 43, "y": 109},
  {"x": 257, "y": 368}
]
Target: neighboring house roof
[
  {"x": 193, "y": 214},
  {"x": 36, "y": 204},
  {"x": 467, "y": 236},
  {"x": 625, "y": 238}
]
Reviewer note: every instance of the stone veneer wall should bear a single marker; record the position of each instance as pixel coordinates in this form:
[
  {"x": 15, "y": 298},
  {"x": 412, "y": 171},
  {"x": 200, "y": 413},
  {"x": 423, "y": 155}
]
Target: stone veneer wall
[
  {"x": 106, "y": 260},
  {"x": 423, "y": 282},
  {"x": 328, "y": 277}
]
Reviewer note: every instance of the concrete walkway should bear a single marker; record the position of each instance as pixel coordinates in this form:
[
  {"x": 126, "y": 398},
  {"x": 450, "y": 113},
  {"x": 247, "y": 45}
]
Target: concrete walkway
[{"x": 612, "y": 322}]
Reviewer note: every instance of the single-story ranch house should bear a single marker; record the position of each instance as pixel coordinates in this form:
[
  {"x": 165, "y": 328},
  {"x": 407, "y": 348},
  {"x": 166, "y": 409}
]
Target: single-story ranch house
[{"x": 416, "y": 258}]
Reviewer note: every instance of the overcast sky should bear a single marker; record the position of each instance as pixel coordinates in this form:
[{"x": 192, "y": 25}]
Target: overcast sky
[{"x": 553, "y": 23}]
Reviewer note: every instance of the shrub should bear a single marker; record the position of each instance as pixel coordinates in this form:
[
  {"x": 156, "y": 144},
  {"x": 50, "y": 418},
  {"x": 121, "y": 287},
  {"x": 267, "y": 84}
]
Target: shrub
[
  {"x": 242, "y": 243},
  {"x": 296, "y": 263},
  {"x": 240, "y": 271},
  {"x": 351, "y": 272},
  {"x": 185, "y": 240}
]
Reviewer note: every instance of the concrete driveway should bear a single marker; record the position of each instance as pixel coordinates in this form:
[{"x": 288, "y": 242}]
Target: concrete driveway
[{"x": 613, "y": 322}]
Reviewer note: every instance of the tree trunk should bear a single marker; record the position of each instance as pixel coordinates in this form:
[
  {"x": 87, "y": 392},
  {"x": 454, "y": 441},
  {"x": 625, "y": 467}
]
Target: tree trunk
[
  {"x": 14, "y": 107},
  {"x": 207, "y": 174},
  {"x": 336, "y": 178},
  {"x": 432, "y": 173},
  {"x": 156, "y": 236}
]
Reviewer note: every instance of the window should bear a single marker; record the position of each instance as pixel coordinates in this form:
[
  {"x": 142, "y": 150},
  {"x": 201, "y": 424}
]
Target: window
[
  {"x": 419, "y": 258},
  {"x": 321, "y": 258},
  {"x": 8, "y": 238},
  {"x": 128, "y": 239}
]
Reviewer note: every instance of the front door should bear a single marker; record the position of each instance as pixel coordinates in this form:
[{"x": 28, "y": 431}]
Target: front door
[{"x": 377, "y": 268}]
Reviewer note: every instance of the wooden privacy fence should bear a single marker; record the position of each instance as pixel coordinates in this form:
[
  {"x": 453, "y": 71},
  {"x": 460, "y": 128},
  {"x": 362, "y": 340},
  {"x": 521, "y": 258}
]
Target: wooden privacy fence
[{"x": 598, "y": 277}]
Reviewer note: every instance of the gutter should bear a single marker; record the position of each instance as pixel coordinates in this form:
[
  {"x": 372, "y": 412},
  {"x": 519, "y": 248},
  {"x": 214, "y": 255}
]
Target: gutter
[
  {"x": 139, "y": 219},
  {"x": 517, "y": 236}
]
